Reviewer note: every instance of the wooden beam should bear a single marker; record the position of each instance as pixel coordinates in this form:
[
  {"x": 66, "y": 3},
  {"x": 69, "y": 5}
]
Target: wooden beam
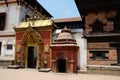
[
  {"x": 6, "y": 3},
  {"x": 17, "y": 2}
]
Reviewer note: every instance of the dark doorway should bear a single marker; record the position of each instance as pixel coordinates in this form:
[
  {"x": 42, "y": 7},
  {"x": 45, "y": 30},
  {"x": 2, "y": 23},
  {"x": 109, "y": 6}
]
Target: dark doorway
[
  {"x": 118, "y": 55},
  {"x": 61, "y": 65},
  {"x": 31, "y": 57},
  {"x": 117, "y": 21},
  {"x": 0, "y": 47}
]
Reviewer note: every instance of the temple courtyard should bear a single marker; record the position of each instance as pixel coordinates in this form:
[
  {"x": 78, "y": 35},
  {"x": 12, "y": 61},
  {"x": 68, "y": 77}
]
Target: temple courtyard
[{"x": 33, "y": 74}]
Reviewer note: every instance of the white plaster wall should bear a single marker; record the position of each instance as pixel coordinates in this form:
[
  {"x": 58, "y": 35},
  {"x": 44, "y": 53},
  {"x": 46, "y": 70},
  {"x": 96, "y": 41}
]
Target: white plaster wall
[
  {"x": 23, "y": 12},
  {"x": 82, "y": 53},
  {"x": 55, "y": 34},
  {"x": 12, "y": 19},
  {"x": 7, "y": 54},
  {"x": 14, "y": 15}
]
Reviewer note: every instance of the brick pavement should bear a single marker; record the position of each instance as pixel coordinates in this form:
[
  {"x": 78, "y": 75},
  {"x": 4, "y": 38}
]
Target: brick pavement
[{"x": 32, "y": 74}]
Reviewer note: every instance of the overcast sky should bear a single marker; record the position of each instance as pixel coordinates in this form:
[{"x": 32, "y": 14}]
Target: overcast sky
[{"x": 60, "y": 8}]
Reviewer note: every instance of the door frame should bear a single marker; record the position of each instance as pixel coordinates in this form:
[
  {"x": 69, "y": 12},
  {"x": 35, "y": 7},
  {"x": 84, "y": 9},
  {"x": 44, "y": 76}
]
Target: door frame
[
  {"x": 26, "y": 55},
  {"x": 32, "y": 38}
]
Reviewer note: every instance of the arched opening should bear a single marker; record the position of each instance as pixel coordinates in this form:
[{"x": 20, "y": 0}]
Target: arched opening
[
  {"x": 32, "y": 47},
  {"x": 61, "y": 65}
]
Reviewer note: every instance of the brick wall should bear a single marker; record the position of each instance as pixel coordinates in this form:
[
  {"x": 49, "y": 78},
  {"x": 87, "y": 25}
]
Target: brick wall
[
  {"x": 103, "y": 17},
  {"x": 112, "y": 58}
]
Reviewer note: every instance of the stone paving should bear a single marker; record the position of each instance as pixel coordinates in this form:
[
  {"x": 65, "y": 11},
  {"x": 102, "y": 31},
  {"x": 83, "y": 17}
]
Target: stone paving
[{"x": 32, "y": 74}]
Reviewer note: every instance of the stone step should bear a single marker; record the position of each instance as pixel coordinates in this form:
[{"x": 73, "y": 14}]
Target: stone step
[
  {"x": 100, "y": 69},
  {"x": 5, "y": 63},
  {"x": 44, "y": 70},
  {"x": 13, "y": 67}
]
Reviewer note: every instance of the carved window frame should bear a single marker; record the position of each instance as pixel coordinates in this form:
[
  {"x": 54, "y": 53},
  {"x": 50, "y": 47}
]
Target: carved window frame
[{"x": 99, "y": 55}]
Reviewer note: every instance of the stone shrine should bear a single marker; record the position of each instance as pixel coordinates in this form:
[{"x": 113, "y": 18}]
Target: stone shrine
[{"x": 64, "y": 53}]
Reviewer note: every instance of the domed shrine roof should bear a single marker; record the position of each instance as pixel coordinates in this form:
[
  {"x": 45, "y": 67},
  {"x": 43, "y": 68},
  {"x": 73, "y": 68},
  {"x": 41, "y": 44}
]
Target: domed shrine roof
[
  {"x": 65, "y": 37},
  {"x": 65, "y": 34}
]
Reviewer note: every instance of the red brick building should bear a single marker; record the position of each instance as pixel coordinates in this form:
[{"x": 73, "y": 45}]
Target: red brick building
[
  {"x": 64, "y": 53},
  {"x": 75, "y": 26},
  {"x": 101, "y": 22}
]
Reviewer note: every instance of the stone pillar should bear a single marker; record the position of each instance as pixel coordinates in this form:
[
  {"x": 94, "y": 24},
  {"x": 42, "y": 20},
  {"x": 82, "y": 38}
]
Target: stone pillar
[{"x": 82, "y": 53}]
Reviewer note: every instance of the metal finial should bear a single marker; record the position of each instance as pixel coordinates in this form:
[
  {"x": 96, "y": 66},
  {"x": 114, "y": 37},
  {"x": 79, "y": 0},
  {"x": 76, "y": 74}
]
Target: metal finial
[{"x": 65, "y": 27}]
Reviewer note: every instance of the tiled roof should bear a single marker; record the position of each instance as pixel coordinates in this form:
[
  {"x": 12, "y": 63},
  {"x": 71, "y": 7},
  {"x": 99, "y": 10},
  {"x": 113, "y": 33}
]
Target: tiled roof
[
  {"x": 74, "y": 19},
  {"x": 37, "y": 23}
]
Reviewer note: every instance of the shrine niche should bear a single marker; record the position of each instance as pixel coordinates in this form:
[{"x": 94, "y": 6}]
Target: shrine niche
[
  {"x": 32, "y": 41},
  {"x": 64, "y": 53}
]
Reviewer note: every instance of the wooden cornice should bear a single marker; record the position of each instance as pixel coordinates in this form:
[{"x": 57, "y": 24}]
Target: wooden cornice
[
  {"x": 51, "y": 27},
  {"x": 32, "y": 3},
  {"x": 18, "y": 2},
  {"x": 85, "y": 6},
  {"x": 7, "y": 35},
  {"x": 6, "y": 2},
  {"x": 102, "y": 35}
]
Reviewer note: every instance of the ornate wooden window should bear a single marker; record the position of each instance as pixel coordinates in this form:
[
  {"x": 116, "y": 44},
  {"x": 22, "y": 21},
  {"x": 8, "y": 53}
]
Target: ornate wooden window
[
  {"x": 117, "y": 22},
  {"x": 97, "y": 26},
  {"x": 2, "y": 21},
  {"x": 99, "y": 55}
]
